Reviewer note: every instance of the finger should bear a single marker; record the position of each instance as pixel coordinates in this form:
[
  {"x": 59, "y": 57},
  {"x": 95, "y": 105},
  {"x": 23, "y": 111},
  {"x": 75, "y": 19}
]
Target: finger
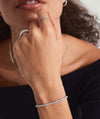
[
  {"x": 56, "y": 25},
  {"x": 24, "y": 38},
  {"x": 44, "y": 23},
  {"x": 33, "y": 27}
]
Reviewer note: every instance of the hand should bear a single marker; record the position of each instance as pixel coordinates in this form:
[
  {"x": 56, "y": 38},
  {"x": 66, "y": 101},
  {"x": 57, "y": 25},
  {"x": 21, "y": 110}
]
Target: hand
[{"x": 39, "y": 53}]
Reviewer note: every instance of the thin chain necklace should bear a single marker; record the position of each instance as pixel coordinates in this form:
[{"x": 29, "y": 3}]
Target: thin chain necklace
[{"x": 13, "y": 59}]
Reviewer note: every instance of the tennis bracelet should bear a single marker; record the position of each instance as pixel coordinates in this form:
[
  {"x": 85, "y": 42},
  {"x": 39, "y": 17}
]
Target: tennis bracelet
[{"x": 51, "y": 102}]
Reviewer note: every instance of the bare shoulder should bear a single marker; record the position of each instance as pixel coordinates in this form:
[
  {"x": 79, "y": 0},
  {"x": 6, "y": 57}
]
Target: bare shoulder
[
  {"x": 83, "y": 49},
  {"x": 79, "y": 54}
]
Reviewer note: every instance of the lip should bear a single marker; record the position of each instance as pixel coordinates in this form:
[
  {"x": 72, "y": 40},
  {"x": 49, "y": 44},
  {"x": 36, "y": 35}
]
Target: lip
[
  {"x": 21, "y": 2},
  {"x": 31, "y": 6}
]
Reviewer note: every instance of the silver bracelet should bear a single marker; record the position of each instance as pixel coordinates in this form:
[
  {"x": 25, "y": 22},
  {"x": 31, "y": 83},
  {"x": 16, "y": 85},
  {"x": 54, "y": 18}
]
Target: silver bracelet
[{"x": 51, "y": 102}]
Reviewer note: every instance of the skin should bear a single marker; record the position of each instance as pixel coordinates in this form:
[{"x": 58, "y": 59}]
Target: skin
[
  {"x": 73, "y": 59},
  {"x": 49, "y": 58},
  {"x": 14, "y": 18}
]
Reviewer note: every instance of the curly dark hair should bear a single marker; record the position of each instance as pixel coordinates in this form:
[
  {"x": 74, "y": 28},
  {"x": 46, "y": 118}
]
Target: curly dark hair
[{"x": 75, "y": 20}]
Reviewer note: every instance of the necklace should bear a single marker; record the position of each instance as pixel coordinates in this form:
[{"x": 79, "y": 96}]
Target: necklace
[
  {"x": 66, "y": 47},
  {"x": 12, "y": 60}
]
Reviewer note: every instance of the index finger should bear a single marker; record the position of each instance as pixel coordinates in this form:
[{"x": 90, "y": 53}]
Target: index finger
[{"x": 45, "y": 22}]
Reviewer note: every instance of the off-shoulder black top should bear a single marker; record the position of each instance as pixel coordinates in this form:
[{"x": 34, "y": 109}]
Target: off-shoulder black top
[{"x": 82, "y": 87}]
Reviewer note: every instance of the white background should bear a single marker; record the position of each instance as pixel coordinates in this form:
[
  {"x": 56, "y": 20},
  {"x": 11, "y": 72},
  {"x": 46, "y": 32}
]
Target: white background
[{"x": 93, "y": 6}]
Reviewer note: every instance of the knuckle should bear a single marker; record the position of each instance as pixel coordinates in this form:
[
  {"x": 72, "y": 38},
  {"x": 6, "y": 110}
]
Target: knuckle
[
  {"x": 24, "y": 39},
  {"x": 35, "y": 34},
  {"x": 48, "y": 30},
  {"x": 24, "y": 36},
  {"x": 33, "y": 25}
]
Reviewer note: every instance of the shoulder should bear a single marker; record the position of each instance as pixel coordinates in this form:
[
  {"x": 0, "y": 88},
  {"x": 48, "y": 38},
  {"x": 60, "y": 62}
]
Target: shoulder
[
  {"x": 83, "y": 49},
  {"x": 80, "y": 53}
]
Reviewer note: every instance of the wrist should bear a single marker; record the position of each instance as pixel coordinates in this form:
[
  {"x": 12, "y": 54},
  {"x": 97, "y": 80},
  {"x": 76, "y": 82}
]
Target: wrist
[
  {"x": 46, "y": 81},
  {"x": 49, "y": 92}
]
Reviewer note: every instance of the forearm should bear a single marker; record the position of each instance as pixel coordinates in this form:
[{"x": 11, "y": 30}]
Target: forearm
[{"x": 48, "y": 93}]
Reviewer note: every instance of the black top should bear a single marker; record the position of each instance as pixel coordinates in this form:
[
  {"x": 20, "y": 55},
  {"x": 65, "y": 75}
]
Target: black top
[{"x": 82, "y": 87}]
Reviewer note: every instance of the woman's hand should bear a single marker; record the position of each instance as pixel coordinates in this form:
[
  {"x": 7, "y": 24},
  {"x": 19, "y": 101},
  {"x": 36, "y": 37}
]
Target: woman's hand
[{"x": 39, "y": 53}]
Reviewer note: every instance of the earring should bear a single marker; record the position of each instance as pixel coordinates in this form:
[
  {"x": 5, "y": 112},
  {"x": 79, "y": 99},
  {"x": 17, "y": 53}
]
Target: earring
[{"x": 64, "y": 2}]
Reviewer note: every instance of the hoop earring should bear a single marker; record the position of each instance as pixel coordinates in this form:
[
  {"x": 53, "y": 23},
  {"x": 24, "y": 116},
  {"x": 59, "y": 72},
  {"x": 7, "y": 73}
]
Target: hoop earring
[{"x": 65, "y": 3}]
